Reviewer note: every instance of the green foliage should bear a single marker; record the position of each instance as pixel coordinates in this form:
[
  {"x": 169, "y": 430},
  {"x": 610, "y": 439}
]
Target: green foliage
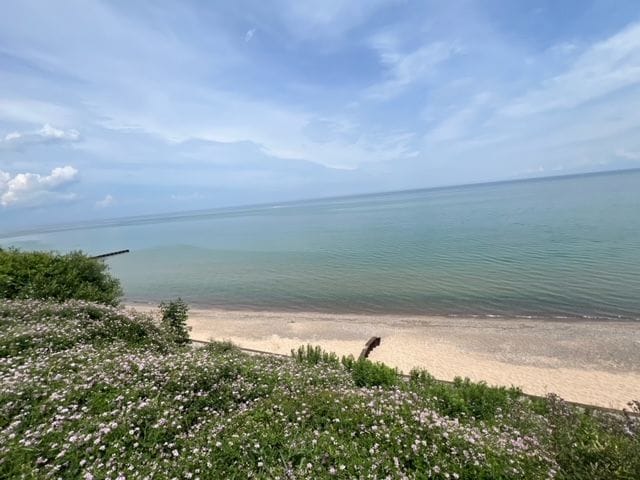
[
  {"x": 366, "y": 373},
  {"x": 222, "y": 347},
  {"x": 311, "y": 355},
  {"x": 35, "y": 325},
  {"x": 52, "y": 276},
  {"x": 591, "y": 444},
  {"x": 464, "y": 397},
  {"x": 91, "y": 391},
  {"x": 174, "y": 320}
]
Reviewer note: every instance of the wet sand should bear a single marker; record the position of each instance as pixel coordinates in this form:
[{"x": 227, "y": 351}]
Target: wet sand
[{"x": 583, "y": 361}]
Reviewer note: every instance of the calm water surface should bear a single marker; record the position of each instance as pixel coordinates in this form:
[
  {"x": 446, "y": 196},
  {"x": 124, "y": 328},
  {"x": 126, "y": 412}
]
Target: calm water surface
[{"x": 555, "y": 247}]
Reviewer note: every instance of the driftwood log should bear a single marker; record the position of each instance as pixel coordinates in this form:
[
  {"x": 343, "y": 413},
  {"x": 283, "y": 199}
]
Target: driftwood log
[{"x": 372, "y": 343}]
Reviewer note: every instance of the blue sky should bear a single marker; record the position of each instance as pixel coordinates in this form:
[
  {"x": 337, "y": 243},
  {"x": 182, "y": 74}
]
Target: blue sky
[{"x": 122, "y": 108}]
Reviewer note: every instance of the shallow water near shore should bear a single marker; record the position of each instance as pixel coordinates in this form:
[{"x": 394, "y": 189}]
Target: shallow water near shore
[{"x": 563, "y": 247}]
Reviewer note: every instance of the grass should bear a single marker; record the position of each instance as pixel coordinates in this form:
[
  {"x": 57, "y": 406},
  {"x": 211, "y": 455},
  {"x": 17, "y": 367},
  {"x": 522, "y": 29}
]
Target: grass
[{"x": 90, "y": 391}]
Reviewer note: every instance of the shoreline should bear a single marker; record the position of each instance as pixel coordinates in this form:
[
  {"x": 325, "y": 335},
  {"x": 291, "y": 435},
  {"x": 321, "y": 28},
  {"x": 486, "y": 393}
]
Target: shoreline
[
  {"x": 148, "y": 305},
  {"x": 586, "y": 361}
]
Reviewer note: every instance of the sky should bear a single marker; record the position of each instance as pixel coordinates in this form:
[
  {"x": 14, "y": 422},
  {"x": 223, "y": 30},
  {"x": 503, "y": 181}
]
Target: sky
[{"x": 119, "y": 108}]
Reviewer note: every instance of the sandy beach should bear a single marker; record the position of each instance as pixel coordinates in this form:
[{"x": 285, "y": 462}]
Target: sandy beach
[{"x": 596, "y": 363}]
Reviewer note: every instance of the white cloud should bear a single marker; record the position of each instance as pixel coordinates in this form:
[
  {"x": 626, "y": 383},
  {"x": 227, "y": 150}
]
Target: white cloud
[
  {"x": 311, "y": 101},
  {"x": 325, "y": 19},
  {"x": 461, "y": 122},
  {"x": 602, "y": 69},
  {"x": 280, "y": 131},
  {"x": 12, "y": 136},
  {"x": 33, "y": 189},
  {"x": 47, "y": 131},
  {"x": 179, "y": 106},
  {"x": 47, "y": 134},
  {"x": 565, "y": 48},
  {"x": 53, "y": 41},
  {"x": 107, "y": 201},
  {"x": 4, "y": 180},
  {"x": 406, "y": 68},
  {"x": 186, "y": 196},
  {"x": 628, "y": 155},
  {"x": 33, "y": 111}
]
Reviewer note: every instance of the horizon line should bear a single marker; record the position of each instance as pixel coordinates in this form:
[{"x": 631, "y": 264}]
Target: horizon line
[{"x": 181, "y": 214}]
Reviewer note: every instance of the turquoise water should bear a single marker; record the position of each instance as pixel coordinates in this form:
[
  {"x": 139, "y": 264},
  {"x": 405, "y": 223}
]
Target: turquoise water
[{"x": 553, "y": 247}]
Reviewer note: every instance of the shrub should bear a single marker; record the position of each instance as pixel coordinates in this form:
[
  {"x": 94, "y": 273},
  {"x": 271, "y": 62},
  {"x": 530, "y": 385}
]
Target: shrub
[
  {"x": 366, "y": 373},
  {"x": 592, "y": 444},
  {"x": 174, "y": 320},
  {"x": 464, "y": 397},
  {"x": 314, "y": 355},
  {"x": 222, "y": 347},
  {"x": 52, "y": 276}
]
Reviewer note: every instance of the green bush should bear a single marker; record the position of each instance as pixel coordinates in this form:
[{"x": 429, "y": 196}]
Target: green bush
[
  {"x": 464, "y": 397},
  {"x": 221, "y": 347},
  {"x": 592, "y": 444},
  {"x": 174, "y": 319},
  {"x": 314, "y": 355},
  {"x": 52, "y": 276},
  {"x": 366, "y": 373}
]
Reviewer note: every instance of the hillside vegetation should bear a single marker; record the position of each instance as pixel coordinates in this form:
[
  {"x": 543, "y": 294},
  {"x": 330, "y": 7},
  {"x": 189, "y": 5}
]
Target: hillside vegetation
[
  {"x": 91, "y": 391},
  {"x": 52, "y": 276}
]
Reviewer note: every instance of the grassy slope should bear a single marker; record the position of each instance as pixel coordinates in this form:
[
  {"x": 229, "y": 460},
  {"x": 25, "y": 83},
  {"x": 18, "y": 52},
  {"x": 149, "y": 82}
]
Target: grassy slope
[{"x": 88, "y": 391}]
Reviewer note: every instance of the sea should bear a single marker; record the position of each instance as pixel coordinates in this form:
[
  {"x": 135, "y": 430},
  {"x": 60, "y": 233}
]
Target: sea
[{"x": 563, "y": 247}]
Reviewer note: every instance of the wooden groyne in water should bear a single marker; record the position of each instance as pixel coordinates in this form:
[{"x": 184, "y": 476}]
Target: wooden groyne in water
[{"x": 110, "y": 254}]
